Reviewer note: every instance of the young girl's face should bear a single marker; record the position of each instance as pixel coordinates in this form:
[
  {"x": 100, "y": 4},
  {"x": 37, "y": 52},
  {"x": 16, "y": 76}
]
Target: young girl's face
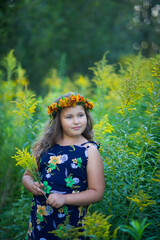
[{"x": 73, "y": 121}]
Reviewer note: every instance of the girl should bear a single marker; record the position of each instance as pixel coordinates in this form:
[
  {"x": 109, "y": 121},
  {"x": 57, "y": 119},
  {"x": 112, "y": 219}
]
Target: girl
[{"x": 70, "y": 167}]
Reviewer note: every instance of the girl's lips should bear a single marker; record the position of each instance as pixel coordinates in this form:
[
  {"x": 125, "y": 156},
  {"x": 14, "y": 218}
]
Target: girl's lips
[{"x": 76, "y": 128}]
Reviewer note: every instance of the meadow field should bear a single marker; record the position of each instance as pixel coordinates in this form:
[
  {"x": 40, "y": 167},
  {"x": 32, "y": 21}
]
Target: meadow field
[{"x": 127, "y": 126}]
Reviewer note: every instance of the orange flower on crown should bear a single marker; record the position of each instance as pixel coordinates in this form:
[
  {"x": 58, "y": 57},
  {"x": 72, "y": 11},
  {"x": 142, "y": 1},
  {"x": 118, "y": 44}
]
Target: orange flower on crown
[{"x": 70, "y": 101}]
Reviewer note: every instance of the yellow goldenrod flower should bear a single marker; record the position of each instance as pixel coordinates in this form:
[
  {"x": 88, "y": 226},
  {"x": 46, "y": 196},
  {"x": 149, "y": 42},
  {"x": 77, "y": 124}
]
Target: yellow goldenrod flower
[
  {"x": 97, "y": 225},
  {"x": 103, "y": 127},
  {"x": 142, "y": 200},
  {"x": 53, "y": 81},
  {"x": 26, "y": 161},
  {"x": 26, "y": 104},
  {"x": 83, "y": 82},
  {"x": 158, "y": 178}
]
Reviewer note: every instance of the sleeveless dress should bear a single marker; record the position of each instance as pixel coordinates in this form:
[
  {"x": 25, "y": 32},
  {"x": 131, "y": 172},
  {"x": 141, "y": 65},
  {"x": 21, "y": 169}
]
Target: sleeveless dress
[{"x": 62, "y": 170}]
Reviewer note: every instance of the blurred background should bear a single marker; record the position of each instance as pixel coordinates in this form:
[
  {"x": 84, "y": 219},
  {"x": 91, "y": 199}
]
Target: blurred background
[
  {"x": 108, "y": 51},
  {"x": 71, "y": 35}
]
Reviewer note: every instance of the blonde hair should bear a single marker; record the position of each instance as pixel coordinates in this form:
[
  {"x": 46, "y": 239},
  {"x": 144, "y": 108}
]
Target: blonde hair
[{"x": 53, "y": 132}]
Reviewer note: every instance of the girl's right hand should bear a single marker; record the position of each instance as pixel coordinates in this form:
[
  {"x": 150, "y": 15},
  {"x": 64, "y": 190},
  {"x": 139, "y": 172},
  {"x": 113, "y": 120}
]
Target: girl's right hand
[{"x": 37, "y": 188}]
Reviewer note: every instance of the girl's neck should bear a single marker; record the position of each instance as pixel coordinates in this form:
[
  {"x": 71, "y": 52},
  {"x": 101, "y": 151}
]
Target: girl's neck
[{"x": 72, "y": 141}]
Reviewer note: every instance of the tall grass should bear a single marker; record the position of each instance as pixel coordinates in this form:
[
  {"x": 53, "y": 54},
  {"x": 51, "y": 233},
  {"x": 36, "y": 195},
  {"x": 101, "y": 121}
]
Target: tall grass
[{"x": 126, "y": 118}]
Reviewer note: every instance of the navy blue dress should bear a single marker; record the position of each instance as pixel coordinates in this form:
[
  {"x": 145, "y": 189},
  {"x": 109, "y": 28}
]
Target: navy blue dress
[{"x": 62, "y": 170}]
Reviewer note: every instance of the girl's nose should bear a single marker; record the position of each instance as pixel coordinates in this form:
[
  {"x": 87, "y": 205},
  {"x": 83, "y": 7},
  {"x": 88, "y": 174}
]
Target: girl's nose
[{"x": 76, "y": 120}]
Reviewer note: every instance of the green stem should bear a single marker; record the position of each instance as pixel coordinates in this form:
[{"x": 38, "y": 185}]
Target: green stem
[
  {"x": 149, "y": 128},
  {"x": 112, "y": 192},
  {"x": 153, "y": 174},
  {"x": 133, "y": 187}
]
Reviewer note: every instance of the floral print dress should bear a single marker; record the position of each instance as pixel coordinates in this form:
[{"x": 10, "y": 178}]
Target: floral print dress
[{"x": 62, "y": 170}]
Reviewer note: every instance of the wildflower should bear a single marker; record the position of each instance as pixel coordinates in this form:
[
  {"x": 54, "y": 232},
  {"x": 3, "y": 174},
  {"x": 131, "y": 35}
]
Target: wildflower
[
  {"x": 156, "y": 71},
  {"x": 83, "y": 82},
  {"x": 157, "y": 179},
  {"x": 26, "y": 161},
  {"x": 26, "y": 104},
  {"x": 97, "y": 225},
  {"x": 142, "y": 200},
  {"x": 70, "y": 101},
  {"x": 103, "y": 127},
  {"x": 21, "y": 79},
  {"x": 53, "y": 80}
]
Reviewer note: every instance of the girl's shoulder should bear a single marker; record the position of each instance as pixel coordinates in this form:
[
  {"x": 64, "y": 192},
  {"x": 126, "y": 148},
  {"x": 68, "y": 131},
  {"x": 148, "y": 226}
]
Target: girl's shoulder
[{"x": 91, "y": 143}]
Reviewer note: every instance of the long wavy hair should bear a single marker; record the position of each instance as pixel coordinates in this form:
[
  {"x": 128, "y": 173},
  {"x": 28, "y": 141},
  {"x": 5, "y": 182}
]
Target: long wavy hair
[{"x": 53, "y": 131}]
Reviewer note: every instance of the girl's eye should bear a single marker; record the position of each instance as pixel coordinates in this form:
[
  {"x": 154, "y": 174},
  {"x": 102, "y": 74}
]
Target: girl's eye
[
  {"x": 69, "y": 117},
  {"x": 81, "y": 115}
]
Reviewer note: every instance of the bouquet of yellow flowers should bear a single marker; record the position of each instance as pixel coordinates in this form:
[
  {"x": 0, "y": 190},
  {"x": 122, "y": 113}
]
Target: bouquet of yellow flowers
[{"x": 26, "y": 161}]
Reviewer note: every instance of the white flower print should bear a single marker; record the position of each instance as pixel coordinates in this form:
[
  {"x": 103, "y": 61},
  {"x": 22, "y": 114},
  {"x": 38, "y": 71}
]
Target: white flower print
[
  {"x": 49, "y": 210},
  {"x": 54, "y": 224},
  {"x": 54, "y": 191},
  {"x": 76, "y": 180},
  {"x": 86, "y": 153},
  {"x": 48, "y": 175},
  {"x": 39, "y": 228},
  {"x": 64, "y": 158},
  {"x": 66, "y": 172},
  {"x": 61, "y": 215},
  {"x": 73, "y": 165}
]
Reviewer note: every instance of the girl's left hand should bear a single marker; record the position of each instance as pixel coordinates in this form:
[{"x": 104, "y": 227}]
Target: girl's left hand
[{"x": 56, "y": 200}]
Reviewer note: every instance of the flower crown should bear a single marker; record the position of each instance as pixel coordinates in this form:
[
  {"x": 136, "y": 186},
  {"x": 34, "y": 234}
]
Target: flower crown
[{"x": 70, "y": 101}]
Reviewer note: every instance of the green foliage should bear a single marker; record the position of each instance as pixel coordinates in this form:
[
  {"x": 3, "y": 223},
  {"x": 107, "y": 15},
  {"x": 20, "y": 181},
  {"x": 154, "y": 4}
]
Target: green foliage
[
  {"x": 126, "y": 119},
  {"x": 66, "y": 231},
  {"x": 94, "y": 226},
  {"x": 72, "y": 35},
  {"x": 136, "y": 230},
  {"x": 97, "y": 226},
  {"x": 131, "y": 148},
  {"x": 15, "y": 132},
  {"x": 15, "y": 217},
  {"x": 26, "y": 161}
]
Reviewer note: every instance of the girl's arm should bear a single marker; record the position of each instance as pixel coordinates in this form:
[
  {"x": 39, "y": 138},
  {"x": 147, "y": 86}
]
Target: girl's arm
[
  {"x": 96, "y": 184},
  {"x": 32, "y": 186}
]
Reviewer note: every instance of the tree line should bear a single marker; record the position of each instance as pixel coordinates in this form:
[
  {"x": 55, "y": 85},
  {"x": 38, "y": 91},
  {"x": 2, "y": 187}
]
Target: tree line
[{"x": 72, "y": 35}]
